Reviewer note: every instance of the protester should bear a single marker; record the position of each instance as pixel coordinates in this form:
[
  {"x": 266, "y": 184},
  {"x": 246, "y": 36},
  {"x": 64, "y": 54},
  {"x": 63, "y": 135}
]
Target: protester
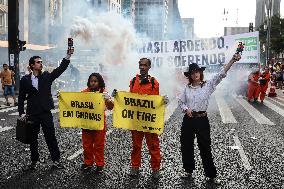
[
  {"x": 94, "y": 140},
  {"x": 263, "y": 83},
  {"x": 143, "y": 83},
  {"x": 194, "y": 103},
  {"x": 7, "y": 79},
  {"x": 253, "y": 85},
  {"x": 36, "y": 89}
]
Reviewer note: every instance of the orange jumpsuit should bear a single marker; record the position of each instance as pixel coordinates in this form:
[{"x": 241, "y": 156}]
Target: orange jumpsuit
[
  {"x": 253, "y": 86},
  {"x": 94, "y": 142},
  {"x": 264, "y": 87},
  {"x": 152, "y": 139}
]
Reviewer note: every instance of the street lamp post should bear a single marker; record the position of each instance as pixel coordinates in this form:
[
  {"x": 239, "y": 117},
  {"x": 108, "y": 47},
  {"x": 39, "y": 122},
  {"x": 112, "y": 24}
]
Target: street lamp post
[{"x": 268, "y": 8}]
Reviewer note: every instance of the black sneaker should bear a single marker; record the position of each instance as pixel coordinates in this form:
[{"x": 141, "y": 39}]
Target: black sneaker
[
  {"x": 58, "y": 165},
  {"x": 156, "y": 174},
  {"x": 99, "y": 169},
  {"x": 134, "y": 172},
  {"x": 8, "y": 104},
  {"x": 186, "y": 176},
  {"x": 85, "y": 167},
  {"x": 214, "y": 181},
  {"x": 30, "y": 167}
]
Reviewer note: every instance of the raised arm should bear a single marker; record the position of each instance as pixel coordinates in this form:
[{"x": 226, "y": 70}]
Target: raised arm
[
  {"x": 234, "y": 59},
  {"x": 59, "y": 70}
]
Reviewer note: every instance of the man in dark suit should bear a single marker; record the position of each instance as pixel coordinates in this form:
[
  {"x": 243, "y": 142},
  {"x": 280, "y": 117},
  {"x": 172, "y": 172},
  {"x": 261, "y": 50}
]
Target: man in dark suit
[{"x": 36, "y": 89}]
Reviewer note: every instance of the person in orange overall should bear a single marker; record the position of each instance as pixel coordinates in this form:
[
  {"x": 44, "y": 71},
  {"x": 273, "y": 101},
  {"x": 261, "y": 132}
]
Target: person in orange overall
[
  {"x": 264, "y": 80},
  {"x": 143, "y": 83},
  {"x": 253, "y": 86},
  {"x": 94, "y": 140}
]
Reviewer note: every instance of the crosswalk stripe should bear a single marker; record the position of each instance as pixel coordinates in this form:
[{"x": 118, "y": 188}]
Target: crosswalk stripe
[
  {"x": 80, "y": 151},
  {"x": 278, "y": 98},
  {"x": 275, "y": 108},
  {"x": 259, "y": 117},
  {"x": 52, "y": 111},
  {"x": 5, "y": 128},
  {"x": 281, "y": 97},
  {"x": 278, "y": 102},
  {"x": 8, "y": 109},
  {"x": 225, "y": 112},
  {"x": 77, "y": 153},
  {"x": 242, "y": 153}
]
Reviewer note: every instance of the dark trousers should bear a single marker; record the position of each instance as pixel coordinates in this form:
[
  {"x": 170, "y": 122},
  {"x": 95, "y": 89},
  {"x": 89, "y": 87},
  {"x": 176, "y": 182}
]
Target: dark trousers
[
  {"x": 45, "y": 120},
  {"x": 201, "y": 128}
]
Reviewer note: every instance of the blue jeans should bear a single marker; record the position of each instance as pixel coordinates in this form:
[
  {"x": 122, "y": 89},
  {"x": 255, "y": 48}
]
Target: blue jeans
[{"x": 9, "y": 89}]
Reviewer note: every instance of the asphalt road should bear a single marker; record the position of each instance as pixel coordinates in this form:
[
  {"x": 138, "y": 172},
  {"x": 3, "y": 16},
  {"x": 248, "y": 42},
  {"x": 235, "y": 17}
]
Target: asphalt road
[{"x": 247, "y": 145}]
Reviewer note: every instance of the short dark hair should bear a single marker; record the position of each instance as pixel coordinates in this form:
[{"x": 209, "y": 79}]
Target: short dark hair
[
  {"x": 32, "y": 61},
  {"x": 5, "y": 64},
  {"x": 102, "y": 85},
  {"x": 149, "y": 61}
]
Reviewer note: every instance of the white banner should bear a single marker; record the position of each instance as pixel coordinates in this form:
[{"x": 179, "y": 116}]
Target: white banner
[{"x": 204, "y": 51}]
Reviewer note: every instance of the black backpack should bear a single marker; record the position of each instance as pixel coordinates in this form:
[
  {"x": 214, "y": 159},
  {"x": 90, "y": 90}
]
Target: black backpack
[{"x": 152, "y": 82}]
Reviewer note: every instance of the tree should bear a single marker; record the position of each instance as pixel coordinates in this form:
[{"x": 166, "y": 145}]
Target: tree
[{"x": 276, "y": 36}]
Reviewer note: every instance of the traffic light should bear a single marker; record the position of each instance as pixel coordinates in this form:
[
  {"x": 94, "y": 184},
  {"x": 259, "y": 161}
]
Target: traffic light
[
  {"x": 22, "y": 45},
  {"x": 251, "y": 27}
]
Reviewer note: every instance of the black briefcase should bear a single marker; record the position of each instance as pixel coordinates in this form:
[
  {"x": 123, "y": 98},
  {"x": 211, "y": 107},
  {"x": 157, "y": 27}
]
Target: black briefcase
[{"x": 23, "y": 131}]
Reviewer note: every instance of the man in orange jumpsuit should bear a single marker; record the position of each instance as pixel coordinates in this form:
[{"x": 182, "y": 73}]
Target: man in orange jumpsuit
[
  {"x": 143, "y": 83},
  {"x": 253, "y": 86},
  {"x": 264, "y": 80}
]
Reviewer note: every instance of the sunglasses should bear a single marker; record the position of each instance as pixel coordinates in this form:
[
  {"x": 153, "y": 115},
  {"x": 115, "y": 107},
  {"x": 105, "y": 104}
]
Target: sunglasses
[{"x": 40, "y": 62}]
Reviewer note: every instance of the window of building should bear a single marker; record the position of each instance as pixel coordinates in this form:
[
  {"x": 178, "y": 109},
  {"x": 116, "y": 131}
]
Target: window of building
[{"x": 2, "y": 21}]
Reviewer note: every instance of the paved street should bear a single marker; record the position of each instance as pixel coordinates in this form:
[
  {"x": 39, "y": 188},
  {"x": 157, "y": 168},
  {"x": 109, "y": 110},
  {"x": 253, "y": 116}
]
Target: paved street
[{"x": 247, "y": 143}]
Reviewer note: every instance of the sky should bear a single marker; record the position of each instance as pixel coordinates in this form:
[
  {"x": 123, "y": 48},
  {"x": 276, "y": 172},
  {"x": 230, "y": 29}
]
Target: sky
[{"x": 209, "y": 19}]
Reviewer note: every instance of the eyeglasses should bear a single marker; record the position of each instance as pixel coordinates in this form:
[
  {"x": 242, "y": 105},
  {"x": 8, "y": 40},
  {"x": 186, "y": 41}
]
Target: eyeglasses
[{"x": 40, "y": 61}]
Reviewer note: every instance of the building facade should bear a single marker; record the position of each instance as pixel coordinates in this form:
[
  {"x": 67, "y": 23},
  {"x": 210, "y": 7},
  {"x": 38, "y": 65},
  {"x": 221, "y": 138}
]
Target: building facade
[
  {"x": 175, "y": 25},
  {"x": 3, "y": 19},
  {"x": 128, "y": 9},
  {"x": 188, "y": 26},
  {"x": 235, "y": 30},
  {"x": 151, "y": 18},
  {"x": 261, "y": 10}
]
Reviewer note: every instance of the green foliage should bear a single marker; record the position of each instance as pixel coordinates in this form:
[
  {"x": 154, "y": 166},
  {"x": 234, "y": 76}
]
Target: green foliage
[{"x": 276, "y": 36}]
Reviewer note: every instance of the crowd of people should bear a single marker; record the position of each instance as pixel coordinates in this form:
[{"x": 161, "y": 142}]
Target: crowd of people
[{"x": 35, "y": 88}]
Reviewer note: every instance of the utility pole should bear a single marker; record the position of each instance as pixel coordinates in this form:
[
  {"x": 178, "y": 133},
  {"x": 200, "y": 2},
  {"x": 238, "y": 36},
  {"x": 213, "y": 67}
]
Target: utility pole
[
  {"x": 14, "y": 44},
  {"x": 268, "y": 8}
]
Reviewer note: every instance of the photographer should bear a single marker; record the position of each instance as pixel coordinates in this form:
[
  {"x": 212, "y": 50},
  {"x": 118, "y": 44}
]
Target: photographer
[{"x": 36, "y": 89}]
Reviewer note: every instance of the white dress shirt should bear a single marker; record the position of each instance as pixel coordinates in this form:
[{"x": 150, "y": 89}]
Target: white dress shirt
[
  {"x": 197, "y": 98},
  {"x": 34, "y": 81}
]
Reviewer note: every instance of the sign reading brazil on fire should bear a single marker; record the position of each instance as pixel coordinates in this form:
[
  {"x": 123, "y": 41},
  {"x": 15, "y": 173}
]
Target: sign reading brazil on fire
[
  {"x": 202, "y": 51},
  {"x": 81, "y": 110},
  {"x": 139, "y": 112}
]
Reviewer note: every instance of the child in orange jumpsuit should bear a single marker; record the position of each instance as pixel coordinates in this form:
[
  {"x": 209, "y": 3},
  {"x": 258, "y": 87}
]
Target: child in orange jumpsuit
[
  {"x": 94, "y": 140},
  {"x": 253, "y": 86},
  {"x": 265, "y": 78}
]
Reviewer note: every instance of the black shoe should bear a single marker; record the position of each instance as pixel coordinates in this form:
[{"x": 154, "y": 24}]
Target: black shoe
[
  {"x": 214, "y": 181},
  {"x": 156, "y": 174},
  {"x": 134, "y": 172},
  {"x": 186, "y": 176},
  {"x": 85, "y": 167},
  {"x": 99, "y": 169},
  {"x": 30, "y": 167},
  {"x": 58, "y": 165},
  {"x": 7, "y": 104}
]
